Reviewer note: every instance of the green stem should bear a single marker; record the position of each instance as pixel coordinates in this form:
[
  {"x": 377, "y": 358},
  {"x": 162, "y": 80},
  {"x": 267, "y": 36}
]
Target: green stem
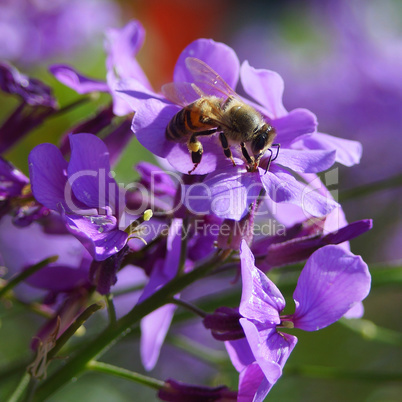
[
  {"x": 33, "y": 383},
  {"x": 340, "y": 373},
  {"x": 72, "y": 105},
  {"x": 72, "y": 329},
  {"x": 110, "y": 308},
  {"x": 370, "y": 188},
  {"x": 189, "y": 306},
  {"x": 26, "y": 273},
  {"x": 123, "y": 373},
  {"x": 76, "y": 364},
  {"x": 20, "y": 390}
]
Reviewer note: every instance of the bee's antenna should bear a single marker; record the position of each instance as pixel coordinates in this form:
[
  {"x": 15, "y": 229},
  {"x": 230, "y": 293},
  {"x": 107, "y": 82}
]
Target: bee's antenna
[{"x": 278, "y": 146}]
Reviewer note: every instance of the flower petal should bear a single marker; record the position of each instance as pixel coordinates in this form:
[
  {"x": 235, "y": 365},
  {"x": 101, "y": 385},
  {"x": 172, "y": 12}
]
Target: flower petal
[
  {"x": 348, "y": 232},
  {"x": 164, "y": 272},
  {"x": 156, "y": 180},
  {"x": 17, "y": 253},
  {"x": 297, "y": 123},
  {"x": 152, "y": 115},
  {"x": 47, "y": 171},
  {"x": 155, "y": 325},
  {"x": 253, "y": 386},
  {"x": 306, "y": 161},
  {"x": 154, "y": 328},
  {"x": 261, "y": 300},
  {"x": 71, "y": 78},
  {"x": 227, "y": 193},
  {"x": 31, "y": 90},
  {"x": 218, "y": 56},
  {"x": 283, "y": 187},
  {"x": 12, "y": 181},
  {"x": 266, "y": 87},
  {"x": 89, "y": 171},
  {"x": 348, "y": 152},
  {"x": 98, "y": 234},
  {"x": 240, "y": 353},
  {"x": 270, "y": 348},
  {"x": 122, "y": 45},
  {"x": 212, "y": 158},
  {"x": 332, "y": 281},
  {"x": 357, "y": 311},
  {"x": 59, "y": 278}
]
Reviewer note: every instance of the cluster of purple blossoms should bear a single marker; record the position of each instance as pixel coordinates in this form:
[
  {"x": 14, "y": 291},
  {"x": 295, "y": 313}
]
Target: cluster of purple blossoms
[{"x": 108, "y": 240}]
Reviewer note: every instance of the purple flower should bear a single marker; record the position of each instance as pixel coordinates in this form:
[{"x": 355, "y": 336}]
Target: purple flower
[
  {"x": 153, "y": 112},
  {"x": 225, "y": 185},
  {"x": 30, "y": 90},
  {"x": 82, "y": 191},
  {"x": 115, "y": 136},
  {"x": 16, "y": 196},
  {"x": 12, "y": 181},
  {"x": 122, "y": 45},
  {"x": 301, "y": 240},
  {"x": 37, "y": 103},
  {"x": 331, "y": 283}
]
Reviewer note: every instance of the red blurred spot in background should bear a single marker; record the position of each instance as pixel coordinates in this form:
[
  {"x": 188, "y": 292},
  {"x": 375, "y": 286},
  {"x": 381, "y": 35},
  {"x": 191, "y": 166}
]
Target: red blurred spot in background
[{"x": 170, "y": 27}]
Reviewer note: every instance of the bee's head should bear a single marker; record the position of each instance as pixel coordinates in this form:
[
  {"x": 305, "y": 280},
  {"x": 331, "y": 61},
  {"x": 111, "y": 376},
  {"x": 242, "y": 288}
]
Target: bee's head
[{"x": 262, "y": 141}]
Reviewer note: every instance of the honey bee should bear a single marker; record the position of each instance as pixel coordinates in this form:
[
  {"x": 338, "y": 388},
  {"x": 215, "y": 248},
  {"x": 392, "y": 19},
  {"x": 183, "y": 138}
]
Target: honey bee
[{"x": 223, "y": 112}]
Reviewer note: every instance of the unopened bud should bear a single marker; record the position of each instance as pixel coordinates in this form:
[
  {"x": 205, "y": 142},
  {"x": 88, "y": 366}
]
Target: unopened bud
[
  {"x": 224, "y": 324},
  {"x": 175, "y": 391}
]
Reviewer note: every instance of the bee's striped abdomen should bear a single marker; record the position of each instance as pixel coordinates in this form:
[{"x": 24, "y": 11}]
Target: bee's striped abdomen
[
  {"x": 176, "y": 129},
  {"x": 192, "y": 119}
]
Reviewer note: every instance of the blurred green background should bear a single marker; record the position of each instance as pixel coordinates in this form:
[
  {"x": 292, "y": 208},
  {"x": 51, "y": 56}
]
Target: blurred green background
[{"x": 170, "y": 26}]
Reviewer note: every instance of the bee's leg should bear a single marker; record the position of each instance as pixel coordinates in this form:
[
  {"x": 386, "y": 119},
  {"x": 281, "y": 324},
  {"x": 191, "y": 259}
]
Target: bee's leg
[
  {"x": 196, "y": 149},
  {"x": 226, "y": 149},
  {"x": 247, "y": 157}
]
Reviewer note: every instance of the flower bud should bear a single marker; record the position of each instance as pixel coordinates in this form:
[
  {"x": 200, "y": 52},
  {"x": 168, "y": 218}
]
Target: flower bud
[
  {"x": 224, "y": 324},
  {"x": 175, "y": 391}
]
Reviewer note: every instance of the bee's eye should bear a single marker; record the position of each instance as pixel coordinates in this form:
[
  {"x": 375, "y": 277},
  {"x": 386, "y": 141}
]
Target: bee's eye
[{"x": 259, "y": 142}]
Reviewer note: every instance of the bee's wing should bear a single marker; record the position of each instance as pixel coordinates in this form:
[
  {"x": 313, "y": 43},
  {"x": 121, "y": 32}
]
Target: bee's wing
[
  {"x": 208, "y": 80},
  {"x": 182, "y": 93},
  {"x": 185, "y": 93}
]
